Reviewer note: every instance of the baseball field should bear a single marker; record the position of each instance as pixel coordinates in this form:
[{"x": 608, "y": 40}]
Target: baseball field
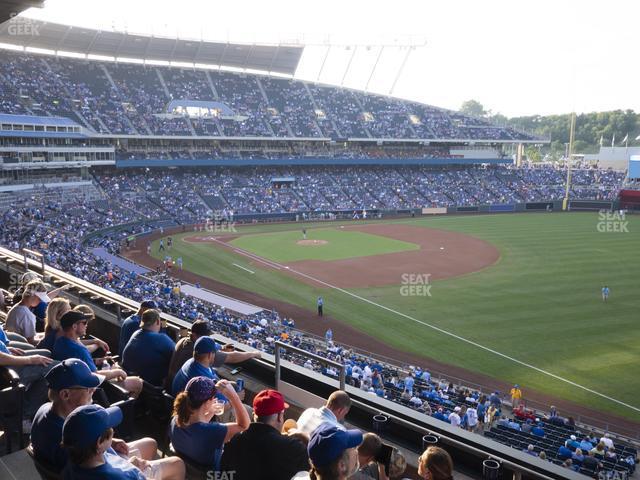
[{"x": 514, "y": 298}]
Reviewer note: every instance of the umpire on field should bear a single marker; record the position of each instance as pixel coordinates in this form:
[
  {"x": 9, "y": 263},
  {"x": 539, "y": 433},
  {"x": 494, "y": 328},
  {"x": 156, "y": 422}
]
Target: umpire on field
[{"x": 320, "y": 304}]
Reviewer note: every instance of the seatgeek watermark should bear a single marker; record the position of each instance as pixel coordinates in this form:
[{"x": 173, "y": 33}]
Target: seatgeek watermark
[
  {"x": 612, "y": 222},
  {"x": 415, "y": 285},
  {"x": 223, "y": 475},
  {"x": 21, "y": 26},
  {"x": 220, "y": 223}
]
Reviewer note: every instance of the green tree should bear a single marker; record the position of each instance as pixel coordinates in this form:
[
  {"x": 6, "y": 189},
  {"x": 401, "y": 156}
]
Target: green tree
[{"x": 473, "y": 108}]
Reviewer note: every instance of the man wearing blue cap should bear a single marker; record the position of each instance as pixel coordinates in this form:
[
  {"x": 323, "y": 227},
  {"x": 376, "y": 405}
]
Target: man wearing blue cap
[
  {"x": 333, "y": 453},
  {"x": 132, "y": 323},
  {"x": 71, "y": 385},
  {"x": 87, "y": 434},
  {"x": 204, "y": 357},
  {"x": 149, "y": 352}
]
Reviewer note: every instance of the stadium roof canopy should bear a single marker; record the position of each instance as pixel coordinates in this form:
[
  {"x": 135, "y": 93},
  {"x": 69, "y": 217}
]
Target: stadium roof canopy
[
  {"x": 11, "y": 8},
  {"x": 282, "y": 59}
]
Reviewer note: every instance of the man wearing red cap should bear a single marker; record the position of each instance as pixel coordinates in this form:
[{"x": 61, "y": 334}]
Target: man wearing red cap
[{"x": 262, "y": 452}]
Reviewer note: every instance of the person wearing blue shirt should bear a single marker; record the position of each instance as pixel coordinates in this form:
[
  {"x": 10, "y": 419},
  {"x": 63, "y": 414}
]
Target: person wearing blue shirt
[
  {"x": 586, "y": 445},
  {"x": 408, "y": 384},
  {"x": 71, "y": 385},
  {"x": 204, "y": 351},
  {"x": 87, "y": 435},
  {"x": 439, "y": 414},
  {"x": 132, "y": 323},
  {"x": 564, "y": 452},
  {"x": 537, "y": 430},
  {"x": 192, "y": 433},
  {"x": 149, "y": 352},
  {"x": 74, "y": 326},
  {"x": 572, "y": 442}
]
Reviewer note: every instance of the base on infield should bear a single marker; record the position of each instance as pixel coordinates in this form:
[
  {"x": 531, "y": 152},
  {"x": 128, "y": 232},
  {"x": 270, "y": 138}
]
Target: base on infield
[{"x": 312, "y": 243}]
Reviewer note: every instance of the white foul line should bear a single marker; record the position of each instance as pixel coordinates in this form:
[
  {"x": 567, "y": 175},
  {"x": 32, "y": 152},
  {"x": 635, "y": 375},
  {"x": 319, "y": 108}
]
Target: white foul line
[
  {"x": 245, "y": 269},
  {"x": 438, "y": 329}
]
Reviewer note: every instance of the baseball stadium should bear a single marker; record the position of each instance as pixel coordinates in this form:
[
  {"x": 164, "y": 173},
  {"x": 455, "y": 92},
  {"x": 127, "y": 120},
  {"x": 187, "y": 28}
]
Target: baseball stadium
[{"x": 197, "y": 244}]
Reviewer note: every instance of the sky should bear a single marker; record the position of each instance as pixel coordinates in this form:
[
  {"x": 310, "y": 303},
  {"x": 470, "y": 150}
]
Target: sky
[{"x": 517, "y": 57}]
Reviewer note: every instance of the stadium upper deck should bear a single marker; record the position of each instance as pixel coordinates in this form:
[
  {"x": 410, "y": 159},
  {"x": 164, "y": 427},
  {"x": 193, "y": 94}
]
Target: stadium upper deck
[{"x": 126, "y": 99}]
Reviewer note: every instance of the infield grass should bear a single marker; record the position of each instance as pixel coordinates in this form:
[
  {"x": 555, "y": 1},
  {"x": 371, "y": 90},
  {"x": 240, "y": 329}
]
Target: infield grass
[
  {"x": 540, "y": 303},
  {"x": 283, "y": 247}
]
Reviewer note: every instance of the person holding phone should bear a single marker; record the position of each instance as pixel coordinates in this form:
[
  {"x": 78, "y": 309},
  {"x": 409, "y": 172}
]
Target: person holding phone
[
  {"x": 373, "y": 459},
  {"x": 192, "y": 432}
]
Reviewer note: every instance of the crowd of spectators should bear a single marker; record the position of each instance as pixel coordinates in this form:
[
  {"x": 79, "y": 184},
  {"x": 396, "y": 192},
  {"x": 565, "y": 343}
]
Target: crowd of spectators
[
  {"x": 187, "y": 196},
  {"x": 55, "y": 224},
  {"x": 132, "y": 99}
]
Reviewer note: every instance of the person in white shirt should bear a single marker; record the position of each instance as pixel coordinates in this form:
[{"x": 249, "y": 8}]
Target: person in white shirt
[
  {"x": 454, "y": 418},
  {"x": 607, "y": 441},
  {"x": 20, "y": 319},
  {"x": 472, "y": 418},
  {"x": 415, "y": 401},
  {"x": 332, "y": 414}
]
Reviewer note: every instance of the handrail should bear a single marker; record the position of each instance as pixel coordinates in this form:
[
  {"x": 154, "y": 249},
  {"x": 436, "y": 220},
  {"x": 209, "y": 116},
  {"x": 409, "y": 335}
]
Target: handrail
[
  {"x": 33, "y": 253},
  {"x": 284, "y": 346}
]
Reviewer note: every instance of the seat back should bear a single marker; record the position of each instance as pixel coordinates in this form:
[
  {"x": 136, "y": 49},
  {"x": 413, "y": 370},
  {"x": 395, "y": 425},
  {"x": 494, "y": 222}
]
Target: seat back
[
  {"x": 11, "y": 406},
  {"x": 46, "y": 470},
  {"x": 195, "y": 470}
]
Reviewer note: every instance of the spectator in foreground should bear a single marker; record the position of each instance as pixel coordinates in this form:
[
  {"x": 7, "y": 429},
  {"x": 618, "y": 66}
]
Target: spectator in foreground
[
  {"x": 192, "y": 432},
  {"x": 262, "y": 452},
  {"x": 149, "y": 352},
  {"x": 71, "y": 385},
  {"x": 332, "y": 414},
  {"x": 87, "y": 434},
  {"x": 333, "y": 453},
  {"x": 205, "y": 350},
  {"x": 435, "y": 464},
  {"x": 132, "y": 323},
  {"x": 31, "y": 369},
  {"x": 184, "y": 349},
  {"x": 74, "y": 326},
  {"x": 20, "y": 319},
  {"x": 368, "y": 467},
  {"x": 55, "y": 310}
]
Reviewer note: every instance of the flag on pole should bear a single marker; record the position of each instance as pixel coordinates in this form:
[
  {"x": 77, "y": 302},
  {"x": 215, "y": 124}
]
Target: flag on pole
[{"x": 613, "y": 140}]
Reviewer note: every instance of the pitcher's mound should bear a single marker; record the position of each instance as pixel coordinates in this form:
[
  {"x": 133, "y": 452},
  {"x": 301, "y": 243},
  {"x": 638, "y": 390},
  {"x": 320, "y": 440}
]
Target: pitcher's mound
[{"x": 312, "y": 242}]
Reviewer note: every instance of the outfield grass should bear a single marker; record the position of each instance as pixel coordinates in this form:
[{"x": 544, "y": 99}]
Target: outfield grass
[
  {"x": 540, "y": 303},
  {"x": 283, "y": 246}
]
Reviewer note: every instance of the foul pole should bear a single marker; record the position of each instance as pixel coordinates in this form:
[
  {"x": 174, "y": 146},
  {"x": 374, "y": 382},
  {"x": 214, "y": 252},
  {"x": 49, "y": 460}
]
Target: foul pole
[{"x": 565, "y": 203}]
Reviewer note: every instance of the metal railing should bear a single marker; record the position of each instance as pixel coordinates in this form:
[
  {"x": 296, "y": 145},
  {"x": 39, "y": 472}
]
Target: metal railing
[{"x": 279, "y": 346}]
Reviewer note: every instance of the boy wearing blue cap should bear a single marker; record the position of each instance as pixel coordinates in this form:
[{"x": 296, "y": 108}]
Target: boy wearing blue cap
[
  {"x": 87, "y": 434},
  {"x": 333, "y": 453}
]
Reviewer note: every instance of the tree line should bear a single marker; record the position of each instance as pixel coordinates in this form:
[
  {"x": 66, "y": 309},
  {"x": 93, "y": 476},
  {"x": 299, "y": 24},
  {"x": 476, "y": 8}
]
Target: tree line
[{"x": 592, "y": 129}]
